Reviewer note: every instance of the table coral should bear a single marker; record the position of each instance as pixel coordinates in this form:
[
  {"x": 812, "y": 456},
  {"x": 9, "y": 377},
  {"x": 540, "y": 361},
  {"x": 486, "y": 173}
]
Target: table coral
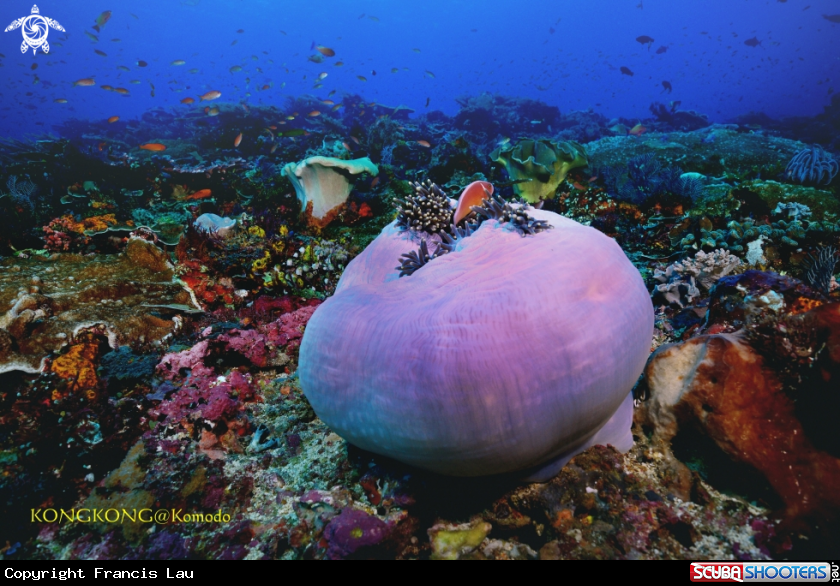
[{"x": 67, "y": 293}]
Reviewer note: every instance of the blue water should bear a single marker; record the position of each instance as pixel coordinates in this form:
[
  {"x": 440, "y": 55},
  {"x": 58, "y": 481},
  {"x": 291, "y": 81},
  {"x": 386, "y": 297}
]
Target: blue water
[{"x": 567, "y": 54}]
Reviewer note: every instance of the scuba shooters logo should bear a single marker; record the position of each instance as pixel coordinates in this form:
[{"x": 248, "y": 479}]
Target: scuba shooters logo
[
  {"x": 761, "y": 572},
  {"x": 35, "y": 29}
]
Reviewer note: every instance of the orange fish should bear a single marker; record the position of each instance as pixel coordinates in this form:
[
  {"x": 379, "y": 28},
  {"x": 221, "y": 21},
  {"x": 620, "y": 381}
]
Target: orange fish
[
  {"x": 153, "y": 146},
  {"x": 327, "y": 102},
  {"x": 336, "y": 107},
  {"x": 200, "y": 194},
  {"x": 113, "y": 119},
  {"x": 266, "y": 87},
  {"x": 472, "y": 195},
  {"x": 354, "y": 139},
  {"x": 107, "y": 88},
  {"x": 88, "y": 81},
  {"x": 188, "y": 101},
  {"x": 314, "y": 113},
  {"x": 121, "y": 90},
  {"x": 424, "y": 143},
  {"x": 637, "y": 130},
  {"x": 325, "y": 51},
  {"x": 237, "y": 140},
  {"x": 214, "y": 111},
  {"x": 60, "y": 101},
  {"x": 375, "y": 182},
  {"x": 212, "y": 95}
]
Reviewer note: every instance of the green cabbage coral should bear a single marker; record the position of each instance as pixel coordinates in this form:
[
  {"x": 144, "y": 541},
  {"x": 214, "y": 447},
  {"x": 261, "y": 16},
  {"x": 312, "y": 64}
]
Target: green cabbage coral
[{"x": 542, "y": 165}]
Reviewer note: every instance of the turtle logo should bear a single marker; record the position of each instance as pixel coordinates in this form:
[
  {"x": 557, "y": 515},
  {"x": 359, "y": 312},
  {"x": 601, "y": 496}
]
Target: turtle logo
[{"x": 35, "y": 28}]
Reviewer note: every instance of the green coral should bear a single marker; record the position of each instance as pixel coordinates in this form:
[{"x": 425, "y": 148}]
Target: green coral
[{"x": 539, "y": 165}]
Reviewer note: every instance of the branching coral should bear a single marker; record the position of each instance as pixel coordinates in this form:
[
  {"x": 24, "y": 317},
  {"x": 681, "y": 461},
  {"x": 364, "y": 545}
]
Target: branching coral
[
  {"x": 812, "y": 166},
  {"x": 677, "y": 283},
  {"x": 21, "y": 192}
]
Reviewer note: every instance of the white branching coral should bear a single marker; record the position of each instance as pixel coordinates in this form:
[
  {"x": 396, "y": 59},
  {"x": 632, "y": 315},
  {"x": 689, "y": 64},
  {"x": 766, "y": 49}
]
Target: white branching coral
[{"x": 678, "y": 283}]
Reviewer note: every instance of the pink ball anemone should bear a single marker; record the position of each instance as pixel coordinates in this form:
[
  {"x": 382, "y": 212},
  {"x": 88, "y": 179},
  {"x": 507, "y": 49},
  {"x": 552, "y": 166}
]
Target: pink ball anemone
[{"x": 510, "y": 354}]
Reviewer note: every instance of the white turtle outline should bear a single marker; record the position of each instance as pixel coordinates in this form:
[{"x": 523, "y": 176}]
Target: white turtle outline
[{"x": 34, "y": 43}]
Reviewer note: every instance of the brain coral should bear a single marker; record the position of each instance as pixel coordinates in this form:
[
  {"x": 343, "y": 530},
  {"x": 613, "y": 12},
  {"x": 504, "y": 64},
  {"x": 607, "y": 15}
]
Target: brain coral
[{"x": 510, "y": 354}]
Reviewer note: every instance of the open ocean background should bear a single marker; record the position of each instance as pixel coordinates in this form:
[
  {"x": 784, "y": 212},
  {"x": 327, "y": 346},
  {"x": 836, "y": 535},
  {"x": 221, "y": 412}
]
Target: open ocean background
[{"x": 567, "y": 54}]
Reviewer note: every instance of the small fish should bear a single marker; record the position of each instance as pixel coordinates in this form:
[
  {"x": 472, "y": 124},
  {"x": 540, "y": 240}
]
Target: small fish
[
  {"x": 314, "y": 113},
  {"x": 88, "y": 81},
  {"x": 211, "y": 95},
  {"x": 92, "y": 37},
  {"x": 626, "y": 71},
  {"x": 661, "y": 50},
  {"x": 322, "y": 75},
  {"x": 315, "y": 58},
  {"x": 361, "y": 78},
  {"x": 246, "y": 108},
  {"x": 346, "y": 146},
  {"x": 123, "y": 68},
  {"x": 188, "y": 101},
  {"x": 102, "y": 53},
  {"x": 113, "y": 119},
  {"x": 504, "y": 141},
  {"x": 115, "y": 40},
  {"x": 832, "y": 17},
  {"x": 153, "y": 146},
  {"x": 427, "y": 102},
  {"x": 194, "y": 70},
  {"x": 424, "y": 143},
  {"x": 328, "y": 102},
  {"x": 753, "y": 42},
  {"x": 339, "y": 63},
  {"x": 429, "y": 73},
  {"x": 290, "y": 117},
  {"x": 142, "y": 64},
  {"x": 273, "y": 148},
  {"x": 237, "y": 140},
  {"x": 637, "y": 130},
  {"x": 373, "y": 18},
  {"x": 34, "y": 66},
  {"x": 235, "y": 69},
  {"x": 240, "y": 31},
  {"x": 60, "y": 101},
  {"x": 122, "y": 91},
  {"x": 134, "y": 81},
  {"x": 395, "y": 69},
  {"x": 667, "y": 86},
  {"x": 325, "y": 51},
  {"x": 645, "y": 40},
  {"x": 200, "y": 194},
  {"x": 178, "y": 62},
  {"x": 214, "y": 111},
  {"x": 354, "y": 139},
  {"x": 336, "y": 107},
  {"x": 102, "y": 19},
  {"x": 266, "y": 87},
  {"x": 416, "y": 50}
]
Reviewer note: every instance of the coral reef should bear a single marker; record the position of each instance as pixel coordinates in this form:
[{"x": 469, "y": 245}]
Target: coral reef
[{"x": 155, "y": 307}]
